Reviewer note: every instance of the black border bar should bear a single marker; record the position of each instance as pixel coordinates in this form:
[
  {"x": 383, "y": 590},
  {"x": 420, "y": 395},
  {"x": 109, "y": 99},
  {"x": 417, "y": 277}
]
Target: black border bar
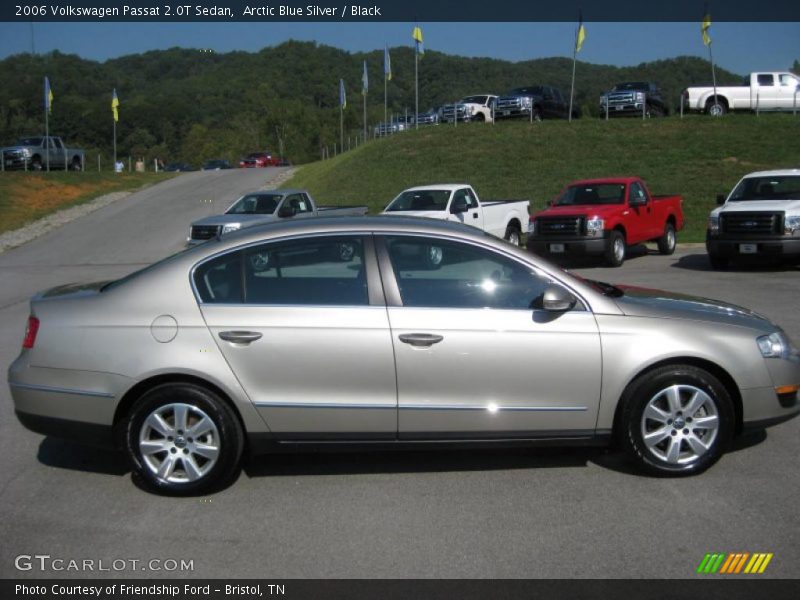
[{"x": 399, "y": 11}]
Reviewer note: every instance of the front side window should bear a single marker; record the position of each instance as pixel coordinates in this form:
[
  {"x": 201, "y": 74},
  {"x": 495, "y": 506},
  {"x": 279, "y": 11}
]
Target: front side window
[
  {"x": 437, "y": 273},
  {"x": 789, "y": 80},
  {"x": 327, "y": 271},
  {"x": 299, "y": 202},
  {"x": 638, "y": 194}
]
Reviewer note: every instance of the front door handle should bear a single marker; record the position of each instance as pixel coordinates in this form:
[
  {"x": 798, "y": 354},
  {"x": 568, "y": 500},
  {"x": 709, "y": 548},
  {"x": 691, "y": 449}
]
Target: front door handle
[
  {"x": 421, "y": 340},
  {"x": 240, "y": 337},
  {"x": 474, "y": 215}
]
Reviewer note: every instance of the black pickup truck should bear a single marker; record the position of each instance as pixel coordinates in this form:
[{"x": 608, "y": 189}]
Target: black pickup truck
[
  {"x": 637, "y": 98},
  {"x": 535, "y": 102}
]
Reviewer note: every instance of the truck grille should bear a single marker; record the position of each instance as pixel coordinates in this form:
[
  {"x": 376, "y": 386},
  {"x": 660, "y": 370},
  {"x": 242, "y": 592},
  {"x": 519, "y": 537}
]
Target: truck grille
[
  {"x": 752, "y": 223},
  {"x": 561, "y": 226},
  {"x": 621, "y": 98},
  {"x": 204, "y": 232},
  {"x": 459, "y": 109},
  {"x": 510, "y": 103}
]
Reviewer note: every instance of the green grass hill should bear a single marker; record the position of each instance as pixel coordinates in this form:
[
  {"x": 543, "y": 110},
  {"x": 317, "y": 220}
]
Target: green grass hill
[{"x": 697, "y": 157}]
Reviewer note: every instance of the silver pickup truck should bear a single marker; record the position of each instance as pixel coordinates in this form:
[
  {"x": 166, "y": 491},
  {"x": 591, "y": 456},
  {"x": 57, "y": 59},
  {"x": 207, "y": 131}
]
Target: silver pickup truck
[
  {"x": 42, "y": 152},
  {"x": 257, "y": 208}
]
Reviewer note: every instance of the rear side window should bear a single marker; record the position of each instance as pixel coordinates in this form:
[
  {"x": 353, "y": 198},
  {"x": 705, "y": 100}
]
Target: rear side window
[
  {"x": 766, "y": 79},
  {"x": 326, "y": 271}
]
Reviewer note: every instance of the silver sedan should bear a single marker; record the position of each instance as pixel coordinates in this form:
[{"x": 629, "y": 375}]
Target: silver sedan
[{"x": 389, "y": 332}]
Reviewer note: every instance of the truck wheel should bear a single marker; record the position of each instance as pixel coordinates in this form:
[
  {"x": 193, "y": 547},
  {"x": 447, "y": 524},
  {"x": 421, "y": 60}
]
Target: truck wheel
[
  {"x": 75, "y": 165},
  {"x": 654, "y": 111},
  {"x": 537, "y": 114},
  {"x": 479, "y": 118},
  {"x": 718, "y": 263},
  {"x": 182, "y": 439},
  {"x": 513, "y": 235},
  {"x": 716, "y": 109},
  {"x": 615, "y": 249},
  {"x": 36, "y": 163},
  {"x": 676, "y": 420},
  {"x": 667, "y": 242}
]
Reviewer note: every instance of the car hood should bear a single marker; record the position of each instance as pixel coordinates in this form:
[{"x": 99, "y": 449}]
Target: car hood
[
  {"x": 645, "y": 302},
  {"x": 600, "y": 210},
  {"x": 758, "y": 206},
  {"x": 245, "y": 220},
  {"x": 428, "y": 214}
]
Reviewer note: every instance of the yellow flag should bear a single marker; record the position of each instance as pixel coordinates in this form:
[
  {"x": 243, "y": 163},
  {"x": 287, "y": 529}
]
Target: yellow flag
[
  {"x": 581, "y": 35},
  {"x": 115, "y": 104},
  {"x": 705, "y": 27}
]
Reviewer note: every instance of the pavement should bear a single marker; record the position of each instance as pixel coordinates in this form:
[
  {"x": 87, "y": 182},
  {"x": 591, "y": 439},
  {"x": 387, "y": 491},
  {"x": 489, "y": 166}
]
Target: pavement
[{"x": 450, "y": 514}]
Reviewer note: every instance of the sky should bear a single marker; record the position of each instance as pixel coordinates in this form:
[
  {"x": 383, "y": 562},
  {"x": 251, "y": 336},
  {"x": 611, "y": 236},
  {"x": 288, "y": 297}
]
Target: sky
[{"x": 738, "y": 47}]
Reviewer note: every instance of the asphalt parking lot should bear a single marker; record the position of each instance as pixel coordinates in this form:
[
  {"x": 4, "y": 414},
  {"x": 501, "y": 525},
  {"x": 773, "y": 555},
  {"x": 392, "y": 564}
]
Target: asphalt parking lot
[{"x": 452, "y": 514}]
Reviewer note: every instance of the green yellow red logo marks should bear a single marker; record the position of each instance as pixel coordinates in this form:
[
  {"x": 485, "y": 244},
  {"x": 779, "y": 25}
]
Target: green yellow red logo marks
[{"x": 735, "y": 562}]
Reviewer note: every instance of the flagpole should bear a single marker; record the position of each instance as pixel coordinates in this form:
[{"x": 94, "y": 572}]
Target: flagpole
[
  {"x": 574, "y": 61},
  {"x": 713, "y": 72},
  {"x": 385, "y": 80},
  {"x": 341, "y": 126},
  {"x": 47, "y": 133},
  {"x": 115, "y": 144},
  {"x": 416, "y": 86},
  {"x": 365, "y": 115}
]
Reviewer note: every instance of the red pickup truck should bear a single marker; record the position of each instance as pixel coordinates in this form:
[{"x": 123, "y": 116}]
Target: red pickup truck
[{"x": 602, "y": 217}]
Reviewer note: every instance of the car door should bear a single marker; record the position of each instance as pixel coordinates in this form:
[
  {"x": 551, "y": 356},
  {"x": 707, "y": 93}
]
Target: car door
[
  {"x": 475, "y": 356},
  {"x": 304, "y": 328},
  {"x": 641, "y": 218},
  {"x": 765, "y": 92},
  {"x": 474, "y": 213}
]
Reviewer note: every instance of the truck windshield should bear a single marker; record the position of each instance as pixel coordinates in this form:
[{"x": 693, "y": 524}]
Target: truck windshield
[
  {"x": 604, "y": 193},
  {"x": 255, "y": 204},
  {"x": 785, "y": 187},
  {"x": 533, "y": 91},
  {"x": 30, "y": 141},
  {"x": 474, "y": 100},
  {"x": 638, "y": 86},
  {"x": 420, "y": 200}
]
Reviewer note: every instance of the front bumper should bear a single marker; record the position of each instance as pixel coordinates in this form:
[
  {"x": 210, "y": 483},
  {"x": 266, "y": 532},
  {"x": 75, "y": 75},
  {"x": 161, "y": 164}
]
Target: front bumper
[
  {"x": 764, "y": 407},
  {"x": 763, "y": 248},
  {"x": 622, "y": 109},
  {"x": 570, "y": 247}
]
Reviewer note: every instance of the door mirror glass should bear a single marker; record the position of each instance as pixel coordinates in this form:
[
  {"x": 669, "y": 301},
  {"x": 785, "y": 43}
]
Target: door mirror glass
[{"x": 557, "y": 299}]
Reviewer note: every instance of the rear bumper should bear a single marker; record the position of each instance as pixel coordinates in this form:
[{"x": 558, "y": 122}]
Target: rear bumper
[
  {"x": 727, "y": 247},
  {"x": 572, "y": 247},
  {"x": 86, "y": 433}
]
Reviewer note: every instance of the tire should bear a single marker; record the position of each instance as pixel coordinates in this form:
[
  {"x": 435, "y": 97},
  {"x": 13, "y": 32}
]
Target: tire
[
  {"x": 718, "y": 263},
  {"x": 75, "y": 165},
  {"x": 716, "y": 109},
  {"x": 615, "y": 249},
  {"x": 660, "y": 415},
  {"x": 654, "y": 111},
  {"x": 513, "y": 235},
  {"x": 207, "y": 466},
  {"x": 36, "y": 163},
  {"x": 479, "y": 118},
  {"x": 537, "y": 115},
  {"x": 668, "y": 241}
]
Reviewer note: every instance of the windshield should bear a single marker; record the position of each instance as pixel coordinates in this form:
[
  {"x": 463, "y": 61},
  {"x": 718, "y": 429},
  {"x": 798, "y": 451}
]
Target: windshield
[
  {"x": 30, "y": 141},
  {"x": 526, "y": 91},
  {"x": 474, "y": 100},
  {"x": 785, "y": 187},
  {"x": 604, "y": 193},
  {"x": 255, "y": 204},
  {"x": 640, "y": 86},
  {"x": 420, "y": 200}
]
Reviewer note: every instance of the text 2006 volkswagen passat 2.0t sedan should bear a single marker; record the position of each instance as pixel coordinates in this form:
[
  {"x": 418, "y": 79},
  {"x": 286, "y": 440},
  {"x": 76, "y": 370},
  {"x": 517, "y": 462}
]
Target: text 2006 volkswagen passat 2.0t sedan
[{"x": 389, "y": 331}]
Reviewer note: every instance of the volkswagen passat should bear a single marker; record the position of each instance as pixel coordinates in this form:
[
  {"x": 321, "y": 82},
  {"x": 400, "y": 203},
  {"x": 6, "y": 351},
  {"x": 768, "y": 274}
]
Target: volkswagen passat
[{"x": 344, "y": 330}]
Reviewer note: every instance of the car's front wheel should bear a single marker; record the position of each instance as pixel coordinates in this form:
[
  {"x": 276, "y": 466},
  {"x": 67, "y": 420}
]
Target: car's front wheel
[
  {"x": 183, "y": 439},
  {"x": 676, "y": 420}
]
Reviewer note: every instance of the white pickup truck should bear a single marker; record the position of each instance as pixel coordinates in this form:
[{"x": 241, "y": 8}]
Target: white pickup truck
[
  {"x": 459, "y": 202},
  {"x": 768, "y": 91},
  {"x": 760, "y": 219}
]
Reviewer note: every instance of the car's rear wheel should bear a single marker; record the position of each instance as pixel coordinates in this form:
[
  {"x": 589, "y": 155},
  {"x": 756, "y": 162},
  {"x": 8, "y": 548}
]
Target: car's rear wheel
[
  {"x": 676, "y": 420},
  {"x": 183, "y": 439},
  {"x": 668, "y": 241}
]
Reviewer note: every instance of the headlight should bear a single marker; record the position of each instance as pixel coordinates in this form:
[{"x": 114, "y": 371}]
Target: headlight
[
  {"x": 602, "y": 100},
  {"x": 791, "y": 225},
  {"x": 230, "y": 227},
  {"x": 525, "y": 101},
  {"x": 639, "y": 96},
  {"x": 774, "y": 345},
  {"x": 594, "y": 226},
  {"x": 713, "y": 225},
  {"x": 532, "y": 227}
]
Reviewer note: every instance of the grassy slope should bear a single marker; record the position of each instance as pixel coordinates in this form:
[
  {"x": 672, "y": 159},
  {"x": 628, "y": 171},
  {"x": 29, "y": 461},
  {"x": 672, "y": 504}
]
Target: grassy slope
[
  {"x": 697, "y": 157},
  {"x": 25, "y": 197}
]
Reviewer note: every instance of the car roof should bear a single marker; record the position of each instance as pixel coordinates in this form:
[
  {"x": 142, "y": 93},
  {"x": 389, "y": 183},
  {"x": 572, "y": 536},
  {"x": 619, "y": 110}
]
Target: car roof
[
  {"x": 774, "y": 173},
  {"x": 438, "y": 186},
  {"x": 604, "y": 180}
]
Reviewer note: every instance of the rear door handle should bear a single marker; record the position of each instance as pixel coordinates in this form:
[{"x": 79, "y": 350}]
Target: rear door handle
[
  {"x": 421, "y": 340},
  {"x": 240, "y": 337}
]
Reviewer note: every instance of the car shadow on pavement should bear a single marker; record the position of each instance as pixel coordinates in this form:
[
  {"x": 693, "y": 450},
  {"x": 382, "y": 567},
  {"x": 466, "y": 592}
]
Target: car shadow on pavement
[
  {"x": 65, "y": 454},
  {"x": 573, "y": 262},
  {"x": 417, "y": 461},
  {"x": 699, "y": 262}
]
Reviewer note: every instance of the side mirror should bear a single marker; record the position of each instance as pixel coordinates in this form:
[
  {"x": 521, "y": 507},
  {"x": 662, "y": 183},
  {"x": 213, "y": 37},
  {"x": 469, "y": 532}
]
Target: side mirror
[
  {"x": 458, "y": 206},
  {"x": 720, "y": 199},
  {"x": 557, "y": 299},
  {"x": 285, "y": 211}
]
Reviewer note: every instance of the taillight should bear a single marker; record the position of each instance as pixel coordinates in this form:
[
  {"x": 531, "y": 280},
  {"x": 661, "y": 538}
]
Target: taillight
[{"x": 30, "y": 332}]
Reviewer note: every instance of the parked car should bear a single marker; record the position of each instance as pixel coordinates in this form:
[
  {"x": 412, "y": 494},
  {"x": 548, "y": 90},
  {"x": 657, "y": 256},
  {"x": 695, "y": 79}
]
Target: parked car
[
  {"x": 179, "y": 167},
  {"x": 460, "y": 202},
  {"x": 471, "y": 108},
  {"x": 634, "y": 98},
  {"x": 429, "y": 117},
  {"x": 601, "y": 217},
  {"x": 216, "y": 164},
  {"x": 759, "y": 219},
  {"x": 395, "y": 126},
  {"x": 257, "y": 208},
  {"x": 259, "y": 159},
  {"x": 534, "y": 102},
  {"x": 267, "y": 340},
  {"x": 37, "y": 152},
  {"x": 759, "y": 91}
]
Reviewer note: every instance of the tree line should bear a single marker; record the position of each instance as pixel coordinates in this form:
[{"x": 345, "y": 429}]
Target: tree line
[{"x": 189, "y": 105}]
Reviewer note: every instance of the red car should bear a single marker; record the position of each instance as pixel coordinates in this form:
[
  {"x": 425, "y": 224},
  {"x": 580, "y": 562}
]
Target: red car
[
  {"x": 259, "y": 159},
  {"x": 602, "y": 217}
]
